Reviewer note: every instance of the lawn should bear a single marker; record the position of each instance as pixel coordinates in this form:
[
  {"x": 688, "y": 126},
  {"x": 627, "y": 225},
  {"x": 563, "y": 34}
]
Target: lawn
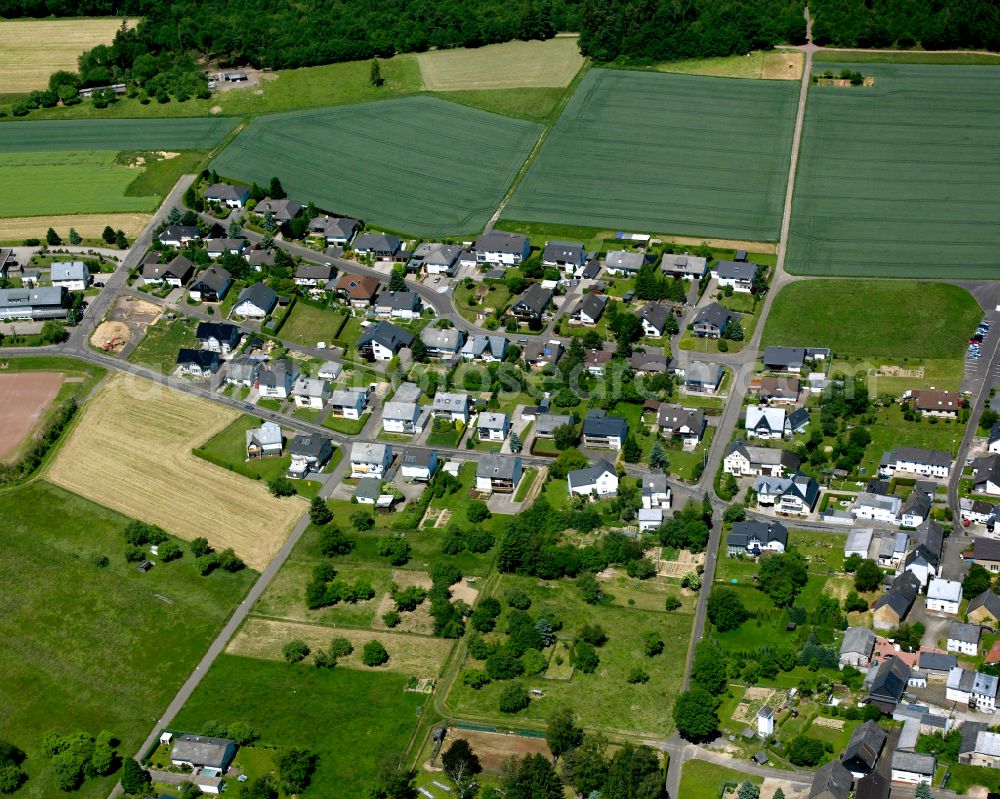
[
  {"x": 873, "y": 319},
  {"x": 964, "y": 777},
  {"x": 159, "y": 174},
  {"x": 125, "y": 134},
  {"x": 502, "y": 66},
  {"x": 294, "y": 705},
  {"x": 891, "y": 430},
  {"x": 899, "y": 179},
  {"x": 158, "y": 348},
  {"x": 759, "y": 64},
  {"x": 414, "y": 164},
  {"x": 676, "y": 168},
  {"x": 602, "y": 699},
  {"x": 349, "y": 427},
  {"x": 90, "y": 647},
  {"x": 703, "y": 780},
  {"x": 307, "y": 324},
  {"x": 527, "y": 480},
  {"x": 64, "y": 182}
]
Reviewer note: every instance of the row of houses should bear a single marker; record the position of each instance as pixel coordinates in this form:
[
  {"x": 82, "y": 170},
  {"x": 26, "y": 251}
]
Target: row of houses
[
  {"x": 891, "y": 509},
  {"x": 309, "y": 452}
]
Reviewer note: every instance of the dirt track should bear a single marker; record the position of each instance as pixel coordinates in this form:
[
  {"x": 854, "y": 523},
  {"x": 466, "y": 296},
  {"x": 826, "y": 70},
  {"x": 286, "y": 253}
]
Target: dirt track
[{"x": 24, "y": 397}]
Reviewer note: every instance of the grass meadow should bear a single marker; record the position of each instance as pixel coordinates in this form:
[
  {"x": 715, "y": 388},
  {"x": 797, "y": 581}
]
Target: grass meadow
[
  {"x": 415, "y": 164},
  {"x": 350, "y": 719},
  {"x": 683, "y": 154},
  {"x": 703, "y": 780},
  {"x": 124, "y": 134},
  {"x": 89, "y": 647},
  {"x": 873, "y": 319},
  {"x": 899, "y": 179},
  {"x": 517, "y": 64}
]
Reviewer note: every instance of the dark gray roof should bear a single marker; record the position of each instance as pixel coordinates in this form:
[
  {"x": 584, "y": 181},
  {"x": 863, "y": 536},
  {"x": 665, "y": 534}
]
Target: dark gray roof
[
  {"x": 649, "y": 361},
  {"x": 735, "y": 270},
  {"x": 986, "y": 549},
  {"x": 988, "y": 599},
  {"x": 589, "y": 474},
  {"x": 215, "y": 278},
  {"x": 937, "y": 661},
  {"x": 202, "y": 750},
  {"x": 202, "y": 358},
  {"x": 890, "y": 681},
  {"x": 309, "y": 445},
  {"x": 563, "y": 251},
  {"x": 918, "y": 504},
  {"x": 986, "y": 468},
  {"x": 377, "y": 242},
  {"x": 283, "y": 209},
  {"x": 314, "y": 272},
  {"x": 798, "y": 418},
  {"x": 765, "y": 532},
  {"x": 399, "y": 300},
  {"x": 592, "y": 305},
  {"x": 222, "y": 331},
  {"x": 701, "y": 373},
  {"x": 225, "y": 245},
  {"x": 864, "y": 747},
  {"x": 994, "y": 433},
  {"x": 259, "y": 294},
  {"x": 713, "y": 314},
  {"x": 178, "y": 232},
  {"x": 784, "y": 357},
  {"x": 831, "y": 781},
  {"x": 970, "y": 732},
  {"x": 914, "y": 762},
  {"x": 498, "y": 241},
  {"x": 226, "y": 191},
  {"x": 499, "y": 466},
  {"x": 656, "y": 314},
  {"x": 902, "y": 594},
  {"x": 335, "y": 226},
  {"x": 598, "y": 423},
  {"x": 858, "y": 639},
  {"x": 535, "y": 299},
  {"x": 933, "y": 457},
  {"x": 388, "y": 335},
  {"x": 966, "y": 633},
  {"x": 418, "y": 457}
]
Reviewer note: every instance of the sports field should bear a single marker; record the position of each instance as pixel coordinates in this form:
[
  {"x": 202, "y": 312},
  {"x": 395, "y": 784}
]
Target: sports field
[
  {"x": 682, "y": 154},
  {"x": 32, "y": 49},
  {"x": 871, "y": 318},
  {"x": 36, "y": 183},
  {"x": 24, "y": 398},
  {"x": 900, "y": 179},
  {"x": 91, "y": 644},
  {"x": 131, "y": 450},
  {"x": 417, "y": 164},
  {"x": 502, "y": 66},
  {"x": 196, "y": 133}
]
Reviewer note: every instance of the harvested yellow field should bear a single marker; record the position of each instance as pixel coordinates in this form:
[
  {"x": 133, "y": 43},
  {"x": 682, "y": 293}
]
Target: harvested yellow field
[
  {"x": 416, "y": 655},
  {"x": 502, "y": 66},
  {"x": 90, "y": 226},
  {"x": 32, "y": 49},
  {"x": 131, "y": 451}
]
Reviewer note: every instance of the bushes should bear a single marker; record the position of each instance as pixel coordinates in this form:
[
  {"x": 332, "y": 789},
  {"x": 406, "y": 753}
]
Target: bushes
[
  {"x": 324, "y": 589},
  {"x": 725, "y": 610},
  {"x": 805, "y": 751},
  {"x": 374, "y": 654},
  {"x": 294, "y": 651},
  {"x": 585, "y": 657},
  {"x": 513, "y": 698},
  {"x": 393, "y": 547}
]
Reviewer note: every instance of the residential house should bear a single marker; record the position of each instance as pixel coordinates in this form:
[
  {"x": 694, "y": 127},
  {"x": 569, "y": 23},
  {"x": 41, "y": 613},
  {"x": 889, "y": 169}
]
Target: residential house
[
  {"x": 258, "y": 258},
  {"x": 877, "y": 507},
  {"x": 418, "y": 464},
  {"x": 864, "y": 748},
  {"x": 211, "y": 285},
  {"x": 335, "y": 229},
  {"x": 979, "y": 747},
  {"x": 255, "y": 302},
  {"x": 539, "y": 354},
  {"x": 310, "y": 453},
  {"x": 30, "y": 278},
  {"x": 932, "y": 402},
  {"x": 176, "y": 273},
  {"x": 986, "y": 552},
  {"x": 702, "y": 378},
  {"x": 595, "y": 361},
  {"x": 765, "y": 422},
  {"x": 798, "y": 421},
  {"x": 275, "y": 379},
  {"x": 329, "y": 370},
  {"x": 738, "y": 274},
  {"x": 383, "y": 341},
  {"x": 711, "y": 321},
  {"x": 889, "y": 684},
  {"x": 914, "y": 460},
  {"x": 178, "y": 235},
  {"x": 381, "y": 246},
  {"x": 216, "y": 248},
  {"x": 444, "y": 344},
  {"x": 913, "y": 768},
  {"x": 370, "y": 459},
  {"x": 493, "y": 426},
  {"x": 498, "y": 474},
  {"x": 486, "y": 348},
  {"x": 399, "y": 305},
  {"x": 831, "y": 781},
  {"x": 243, "y": 372},
  {"x": 501, "y": 249},
  {"x": 891, "y": 549},
  {"x": 892, "y": 607},
  {"x": 358, "y": 290},
  {"x": 451, "y": 406},
  {"x": 532, "y": 303},
  {"x": 935, "y": 666},
  {"x": 198, "y": 363},
  {"x": 349, "y": 403},
  {"x": 795, "y": 495},
  {"x": 368, "y": 490},
  {"x": 649, "y": 519},
  {"x": 859, "y": 542},
  {"x": 857, "y": 647},
  {"x": 649, "y": 362},
  {"x": 220, "y": 337},
  {"x": 283, "y": 210},
  {"x": 202, "y": 753},
  {"x": 972, "y": 688},
  {"x": 784, "y": 359},
  {"x": 597, "y": 480},
  {"x": 654, "y": 319},
  {"x": 71, "y": 275},
  {"x": 964, "y": 638},
  {"x": 984, "y": 609},
  {"x": 313, "y": 275},
  {"x": 686, "y": 424},
  {"x": 754, "y": 537},
  {"x": 308, "y": 392},
  {"x": 993, "y": 441},
  {"x": 264, "y": 441},
  {"x": 589, "y": 309},
  {"x": 916, "y": 509},
  {"x": 978, "y": 511},
  {"x": 227, "y": 195},
  {"x": 986, "y": 474},
  {"x": 655, "y": 492},
  {"x": 601, "y": 430},
  {"x": 435, "y": 259},
  {"x": 777, "y": 390},
  {"x": 743, "y": 460},
  {"x": 765, "y": 722},
  {"x": 624, "y": 262},
  {"x": 944, "y": 596},
  {"x": 564, "y": 255},
  {"x": 402, "y": 418},
  {"x": 690, "y": 267}
]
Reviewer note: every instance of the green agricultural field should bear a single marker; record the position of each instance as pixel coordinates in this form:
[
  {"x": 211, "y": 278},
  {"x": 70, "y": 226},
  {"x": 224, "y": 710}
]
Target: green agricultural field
[
  {"x": 873, "y": 319},
  {"x": 417, "y": 164},
  {"x": 91, "y": 647},
  {"x": 683, "y": 154},
  {"x": 117, "y": 134},
  {"x": 49, "y": 183},
  {"x": 350, "y": 719},
  {"x": 900, "y": 179}
]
